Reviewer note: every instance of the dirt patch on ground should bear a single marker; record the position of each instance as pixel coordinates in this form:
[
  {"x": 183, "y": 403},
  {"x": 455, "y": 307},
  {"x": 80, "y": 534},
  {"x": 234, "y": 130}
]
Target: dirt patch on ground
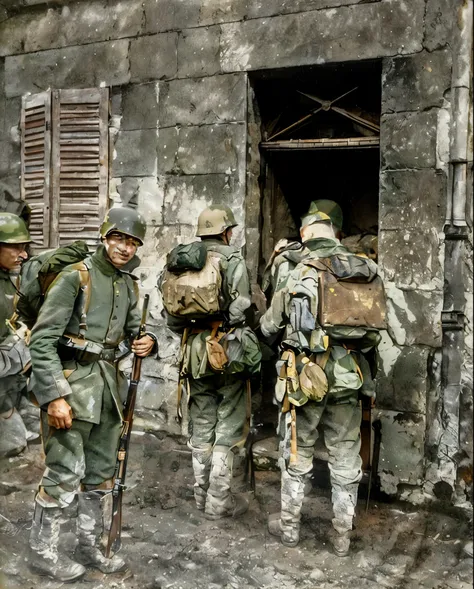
[{"x": 168, "y": 542}]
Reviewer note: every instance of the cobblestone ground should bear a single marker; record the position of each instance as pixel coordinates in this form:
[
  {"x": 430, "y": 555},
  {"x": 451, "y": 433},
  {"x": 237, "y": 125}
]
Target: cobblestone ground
[{"x": 168, "y": 543}]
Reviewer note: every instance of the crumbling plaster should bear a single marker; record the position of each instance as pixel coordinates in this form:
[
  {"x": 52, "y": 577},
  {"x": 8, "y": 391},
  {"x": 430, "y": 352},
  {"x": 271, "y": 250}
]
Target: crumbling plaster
[{"x": 184, "y": 133}]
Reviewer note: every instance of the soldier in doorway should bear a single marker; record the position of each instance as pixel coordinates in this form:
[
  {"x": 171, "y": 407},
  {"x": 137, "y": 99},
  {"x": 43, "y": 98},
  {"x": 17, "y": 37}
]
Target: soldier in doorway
[
  {"x": 90, "y": 308},
  {"x": 324, "y": 371},
  {"x": 219, "y": 353}
]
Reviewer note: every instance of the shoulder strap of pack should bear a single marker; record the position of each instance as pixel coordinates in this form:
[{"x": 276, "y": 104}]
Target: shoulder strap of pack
[
  {"x": 85, "y": 282},
  {"x": 319, "y": 263}
]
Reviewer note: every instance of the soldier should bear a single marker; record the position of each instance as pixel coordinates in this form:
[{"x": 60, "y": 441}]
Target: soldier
[
  {"x": 328, "y": 365},
  {"x": 14, "y": 354},
  {"x": 89, "y": 309},
  {"x": 218, "y": 405}
]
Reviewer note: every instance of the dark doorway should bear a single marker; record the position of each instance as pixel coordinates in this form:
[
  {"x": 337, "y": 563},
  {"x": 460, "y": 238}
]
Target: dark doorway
[{"x": 320, "y": 139}]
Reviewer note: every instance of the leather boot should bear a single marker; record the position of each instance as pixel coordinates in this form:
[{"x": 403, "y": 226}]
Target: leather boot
[
  {"x": 287, "y": 523},
  {"x": 90, "y": 529},
  {"x": 220, "y": 502},
  {"x": 44, "y": 558},
  {"x": 202, "y": 468},
  {"x": 344, "y": 501}
]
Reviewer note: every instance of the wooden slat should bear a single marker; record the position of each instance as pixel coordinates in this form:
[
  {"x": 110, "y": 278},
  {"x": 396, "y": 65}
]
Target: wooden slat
[
  {"x": 80, "y": 163},
  {"x": 35, "y": 163}
]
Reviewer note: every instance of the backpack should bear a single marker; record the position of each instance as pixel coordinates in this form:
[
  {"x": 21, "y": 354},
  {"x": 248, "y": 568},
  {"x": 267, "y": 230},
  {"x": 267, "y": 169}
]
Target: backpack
[
  {"x": 191, "y": 282},
  {"x": 350, "y": 293},
  {"x": 39, "y": 272}
]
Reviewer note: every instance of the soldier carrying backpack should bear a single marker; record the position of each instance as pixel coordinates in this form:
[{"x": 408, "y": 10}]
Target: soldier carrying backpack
[
  {"x": 90, "y": 308},
  {"x": 206, "y": 295},
  {"x": 330, "y": 308}
]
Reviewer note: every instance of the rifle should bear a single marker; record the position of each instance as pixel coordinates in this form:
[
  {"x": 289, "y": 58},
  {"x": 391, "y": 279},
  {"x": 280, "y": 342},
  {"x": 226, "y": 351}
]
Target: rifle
[{"x": 114, "y": 540}]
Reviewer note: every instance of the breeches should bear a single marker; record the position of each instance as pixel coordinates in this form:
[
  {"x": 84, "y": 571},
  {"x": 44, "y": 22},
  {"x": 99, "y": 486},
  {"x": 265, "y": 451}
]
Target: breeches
[
  {"x": 84, "y": 454},
  {"x": 341, "y": 428},
  {"x": 217, "y": 410}
]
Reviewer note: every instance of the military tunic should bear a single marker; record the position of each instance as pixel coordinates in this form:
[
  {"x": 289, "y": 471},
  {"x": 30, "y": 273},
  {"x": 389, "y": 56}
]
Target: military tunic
[
  {"x": 218, "y": 401},
  {"x": 14, "y": 354},
  {"x": 95, "y": 390},
  {"x": 339, "y": 412}
]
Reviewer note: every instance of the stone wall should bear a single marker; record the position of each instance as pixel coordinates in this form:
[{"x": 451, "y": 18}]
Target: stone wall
[{"x": 185, "y": 135}]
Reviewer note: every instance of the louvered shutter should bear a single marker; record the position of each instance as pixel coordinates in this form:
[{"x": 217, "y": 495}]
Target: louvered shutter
[
  {"x": 35, "y": 165},
  {"x": 79, "y": 164}
]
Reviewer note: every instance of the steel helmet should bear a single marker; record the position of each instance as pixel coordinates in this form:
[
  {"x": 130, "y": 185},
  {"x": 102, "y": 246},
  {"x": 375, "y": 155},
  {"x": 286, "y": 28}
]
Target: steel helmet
[
  {"x": 215, "y": 220},
  {"x": 124, "y": 220},
  {"x": 323, "y": 210},
  {"x": 13, "y": 229}
]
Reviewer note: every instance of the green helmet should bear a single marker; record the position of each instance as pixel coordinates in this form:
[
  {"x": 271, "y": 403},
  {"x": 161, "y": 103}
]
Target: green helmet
[
  {"x": 215, "y": 220},
  {"x": 124, "y": 220},
  {"x": 13, "y": 229},
  {"x": 323, "y": 210}
]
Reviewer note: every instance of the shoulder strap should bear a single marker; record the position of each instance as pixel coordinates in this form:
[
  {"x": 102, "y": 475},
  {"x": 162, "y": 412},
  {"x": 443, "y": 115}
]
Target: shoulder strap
[
  {"x": 319, "y": 263},
  {"x": 85, "y": 282}
]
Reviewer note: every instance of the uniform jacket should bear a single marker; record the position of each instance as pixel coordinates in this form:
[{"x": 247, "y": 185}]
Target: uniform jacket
[
  {"x": 293, "y": 310},
  {"x": 113, "y": 316},
  {"x": 14, "y": 354}
]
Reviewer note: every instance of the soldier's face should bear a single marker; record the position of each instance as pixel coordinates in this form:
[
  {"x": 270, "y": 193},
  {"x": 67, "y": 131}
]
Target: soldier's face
[
  {"x": 12, "y": 256},
  {"x": 120, "y": 248}
]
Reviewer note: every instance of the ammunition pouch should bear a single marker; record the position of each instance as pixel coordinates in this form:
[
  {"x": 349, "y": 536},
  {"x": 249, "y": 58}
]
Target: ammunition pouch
[
  {"x": 301, "y": 377},
  {"x": 85, "y": 351}
]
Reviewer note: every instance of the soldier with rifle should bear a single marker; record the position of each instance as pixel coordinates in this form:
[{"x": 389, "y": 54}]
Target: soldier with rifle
[
  {"x": 89, "y": 310},
  {"x": 323, "y": 367}
]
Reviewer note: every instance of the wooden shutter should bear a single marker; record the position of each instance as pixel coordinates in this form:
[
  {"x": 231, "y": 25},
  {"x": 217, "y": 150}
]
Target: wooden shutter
[
  {"x": 35, "y": 165},
  {"x": 79, "y": 164}
]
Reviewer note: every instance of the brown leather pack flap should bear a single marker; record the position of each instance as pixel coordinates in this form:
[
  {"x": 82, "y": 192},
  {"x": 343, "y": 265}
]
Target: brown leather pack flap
[{"x": 352, "y": 304}]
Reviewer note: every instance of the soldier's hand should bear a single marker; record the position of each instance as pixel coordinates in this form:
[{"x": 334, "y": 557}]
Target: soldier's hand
[
  {"x": 143, "y": 346},
  {"x": 59, "y": 414}
]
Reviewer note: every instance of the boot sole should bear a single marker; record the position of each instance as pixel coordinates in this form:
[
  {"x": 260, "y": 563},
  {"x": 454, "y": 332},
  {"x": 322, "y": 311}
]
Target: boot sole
[{"x": 40, "y": 572}]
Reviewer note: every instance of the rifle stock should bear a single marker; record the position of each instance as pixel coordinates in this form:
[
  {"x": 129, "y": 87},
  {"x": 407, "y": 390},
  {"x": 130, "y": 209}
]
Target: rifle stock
[{"x": 115, "y": 532}]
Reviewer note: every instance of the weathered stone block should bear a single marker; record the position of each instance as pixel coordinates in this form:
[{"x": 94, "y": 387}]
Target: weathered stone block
[
  {"x": 259, "y": 8},
  {"x": 9, "y": 158},
  {"x": 154, "y": 57},
  {"x": 412, "y": 199},
  {"x": 167, "y": 150},
  {"x": 439, "y": 19},
  {"x": 68, "y": 68},
  {"x": 75, "y": 24},
  {"x": 198, "y": 52},
  {"x": 211, "y": 149},
  {"x": 12, "y": 115},
  {"x": 12, "y": 34},
  {"x": 159, "y": 242},
  {"x": 252, "y": 251},
  {"x": 408, "y": 140},
  {"x": 218, "y": 11},
  {"x": 401, "y": 452},
  {"x": 166, "y": 15},
  {"x": 412, "y": 258},
  {"x": 145, "y": 194},
  {"x": 152, "y": 394},
  {"x": 140, "y": 107},
  {"x": 136, "y": 153},
  {"x": 415, "y": 82},
  {"x": 414, "y": 316},
  {"x": 215, "y": 99},
  {"x": 404, "y": 386},
  {"x": 377, "y": 29},
  {"x": 187, "y": 196}
]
